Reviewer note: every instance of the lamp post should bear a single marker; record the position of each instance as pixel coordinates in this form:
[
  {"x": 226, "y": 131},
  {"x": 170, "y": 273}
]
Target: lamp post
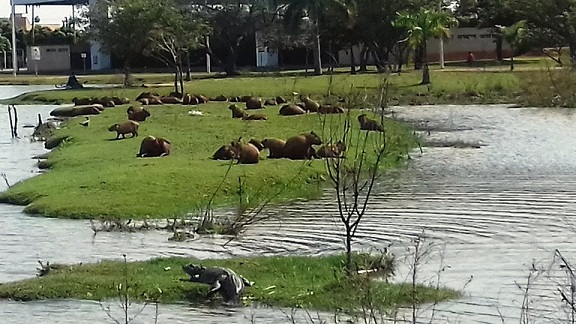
[
  {"x": 441, "y": 40},
  {"x": 14, "y": 55}
]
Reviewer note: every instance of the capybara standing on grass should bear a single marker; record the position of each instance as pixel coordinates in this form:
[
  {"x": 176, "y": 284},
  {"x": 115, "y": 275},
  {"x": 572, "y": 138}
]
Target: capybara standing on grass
[
  {"x": 246, "y": 153},
  {"x": 123, "y": 128},
  {"x": 300, "y": 147},
  {"x": 275, "y": 147},
  {"x": 369, "y": 124},
  {"x": 152, "y": 147},
  {"x": 137, "y": 113}
]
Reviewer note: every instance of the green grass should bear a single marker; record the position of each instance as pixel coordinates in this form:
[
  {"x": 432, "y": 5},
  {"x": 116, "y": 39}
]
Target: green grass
[
  {"x": 310, "y": 282},
  {"x": 94, "y": 176}
]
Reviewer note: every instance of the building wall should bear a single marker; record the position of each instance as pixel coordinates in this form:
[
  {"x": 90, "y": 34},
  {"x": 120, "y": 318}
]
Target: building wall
[
  {"x": 479, "y": 41},
  {"x": 52, "y": 58}
]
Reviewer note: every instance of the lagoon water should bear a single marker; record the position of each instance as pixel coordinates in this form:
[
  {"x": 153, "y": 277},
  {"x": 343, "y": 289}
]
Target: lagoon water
[{"x": 487, "y": 214}]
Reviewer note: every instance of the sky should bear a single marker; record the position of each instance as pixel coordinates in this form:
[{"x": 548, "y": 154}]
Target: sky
[{"x": 48, "y": 14}]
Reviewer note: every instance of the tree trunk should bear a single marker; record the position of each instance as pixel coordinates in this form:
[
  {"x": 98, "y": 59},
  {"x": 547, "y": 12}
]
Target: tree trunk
[
  {"x": 512, "y": 61},
  {"x": 572, "y": 49},
  {"x": 181, "y": 79},
  {"x": 425, "y": 74},
  {"x": 188, "y": 75},
  {"x": 316, "y": 49},
  {"x": 176, "y": 77},
  {"x": 127, "y": 79},
  {"x": 348, "y": 249},
  {"x": 363, "y": 59},
  {"x": 418, "y": 57},
  {"x": 352, "y": 61},
  {"x": 499, "y": 55},
  {"x": 231, "y": 61}
]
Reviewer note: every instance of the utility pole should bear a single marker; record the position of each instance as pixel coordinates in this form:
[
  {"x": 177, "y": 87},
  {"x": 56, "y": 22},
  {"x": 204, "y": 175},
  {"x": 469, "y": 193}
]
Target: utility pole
[{"x": 14, "y": 54}]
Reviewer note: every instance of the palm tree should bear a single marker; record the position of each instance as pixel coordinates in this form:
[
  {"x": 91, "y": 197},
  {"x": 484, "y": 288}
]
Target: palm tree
[
  {"x": 312, "y": 9},
  {"x": 513, "y": 35},
  {"x": 421, "y": 26}
]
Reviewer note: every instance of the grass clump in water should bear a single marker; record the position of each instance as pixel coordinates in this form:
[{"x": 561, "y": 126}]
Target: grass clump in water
[{"x": 310, "y": 282}]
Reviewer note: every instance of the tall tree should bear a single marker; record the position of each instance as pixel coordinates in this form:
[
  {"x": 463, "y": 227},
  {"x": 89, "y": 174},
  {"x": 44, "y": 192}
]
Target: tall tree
[
  {"x": 312, "y": 10},
  {"x": 172, "y": 43},
  {"x": 128, "y": 28},
  {"x": 513, "y": 35},
  {"x": 420, "y": 27},
  {"x": 495, "y": 12}
]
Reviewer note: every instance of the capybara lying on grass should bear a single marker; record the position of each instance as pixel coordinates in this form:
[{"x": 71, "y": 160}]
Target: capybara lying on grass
[
  {"x": 237, "y": 112},
  {"x": 137, "y": 113},
  {"x": 331, "y": 150},
  {"x": 123, "y": 128},
  {"x": 291, "y": 110},
  {"x": 369, "y": 124},
  {"x": 152, "y": 147},
  {"x": 94, "y": 109},
  {"x": 225, "y": 152},
  {"x": 246, "y": 153},
  {"x": 328, "y": 109},
  {"x": 275, "y": 147},
  {"x": 254, "y": 103}
]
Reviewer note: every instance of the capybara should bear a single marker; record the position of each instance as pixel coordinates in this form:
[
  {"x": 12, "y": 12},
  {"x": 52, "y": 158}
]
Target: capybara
[
  {"x": 369, "y": 124},
  {"x": 171, "y": 100},
  {"x": 120, "y": 101},
  {"x": 254, "y": 103},
  {"x": 175, "y": 94},
  {"x": 270, "y": 102},
  {"x": 234, "y": 99},
  {"x": 256, "y": 143},
  {"x": 201, "y": 99},
  {"x": 152, "y": 147},
  {"x": 280, "y": 100},
  {"x": 138, "y": 114},
  {"x": 237, "y": 112},
  {"x": 147, "y": 95},
  {"x": 275, "y": 147},
  {"x": 328, "y": 109},
  {"x": 254, "y": 117},
  {"x": 298, "y": 147},
  {"x": 301, "y": 105},
  {"x": 246, "y": 153},
  {"x": 143, "y": 101},
  {"x": 331, "y": 150},
  {"x": 154, "y": 101},
  {"x": 219, "y": 98},
  {"x": 94, "y": 109},
  {"x": 124, "y": 128},
  {"x": 225, "y": 152},
  {"x": 290, "y": 110},
  {"x": 245, "y": 98},
  {"x": 309, "y": 104},
  {"x": 186, "y": 99},
  {"x": 81, "y": 101}
]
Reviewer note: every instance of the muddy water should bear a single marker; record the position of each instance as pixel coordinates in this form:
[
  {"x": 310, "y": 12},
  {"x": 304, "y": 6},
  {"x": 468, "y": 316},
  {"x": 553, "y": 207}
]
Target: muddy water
[{"x": 489, "y": 212}]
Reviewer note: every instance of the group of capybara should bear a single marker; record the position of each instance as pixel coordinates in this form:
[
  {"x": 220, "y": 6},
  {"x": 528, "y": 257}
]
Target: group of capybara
[{"x": 297, "y": 147}]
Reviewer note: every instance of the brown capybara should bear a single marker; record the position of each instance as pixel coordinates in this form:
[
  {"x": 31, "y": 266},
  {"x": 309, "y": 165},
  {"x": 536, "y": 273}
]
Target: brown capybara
[
  {"x": 147, "y": 95},
  {"x": 254, "y": 117},
  {"x": 298, "y": 147},
  {"x": 245, "y": 98},
  {"x": 143, "y": 101},
  {"x": 328, "y": 109},
  {"x": 81, "y": 101},
  {"x": 237, "y": 112},
  {"x": 186, "y": 99},
  {"x": 369, "y": 124},
  {"x": 331, "y": 150},
  {"x": 175, "y": 94},
  {"x": 201, "y": 99},
  {"x": 138, "y": 114},
  {"x": 301, "y": 105},
  {"x": 219, "y": 98},
  {"x": 153, "y": 147},
  {"x": 171, "y": 100},
  {"x": 254, "y": 103},
  {"x": 275, "y": 147},
  {"x": 225, "y": 152},
  {"x": 256, "y": 143},
  {"x": 309, "y": 104},
  {"x": 154, "y": 101},
  {"x": 120, "y": 101},
  {"x": 77, "y": 111},
  {"x": 234, "y": 99},
  {"x": 123, "y": 128},
  {"x": 270, "y": 102},
  {"x": 291, "y": 110},
  {"x": 246, "y": 153},
  {"x": 280, "y": 100}
]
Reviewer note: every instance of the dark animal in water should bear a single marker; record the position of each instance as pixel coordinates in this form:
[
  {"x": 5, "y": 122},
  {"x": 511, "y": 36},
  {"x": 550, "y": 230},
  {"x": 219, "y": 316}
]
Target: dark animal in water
[{"x": 230, "y": 285}]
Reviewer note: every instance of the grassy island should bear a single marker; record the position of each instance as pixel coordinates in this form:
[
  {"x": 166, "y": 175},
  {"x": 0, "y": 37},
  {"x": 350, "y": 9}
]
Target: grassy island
[{"x": 316, "y": 283}]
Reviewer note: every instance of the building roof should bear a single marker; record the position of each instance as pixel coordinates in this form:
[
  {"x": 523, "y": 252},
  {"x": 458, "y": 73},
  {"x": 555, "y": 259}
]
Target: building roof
[{"x": 50, "y": 2}]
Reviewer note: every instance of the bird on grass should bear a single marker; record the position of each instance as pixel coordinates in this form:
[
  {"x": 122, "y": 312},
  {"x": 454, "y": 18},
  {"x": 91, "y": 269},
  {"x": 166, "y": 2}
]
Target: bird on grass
[{"x": 86, "y": 123}]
